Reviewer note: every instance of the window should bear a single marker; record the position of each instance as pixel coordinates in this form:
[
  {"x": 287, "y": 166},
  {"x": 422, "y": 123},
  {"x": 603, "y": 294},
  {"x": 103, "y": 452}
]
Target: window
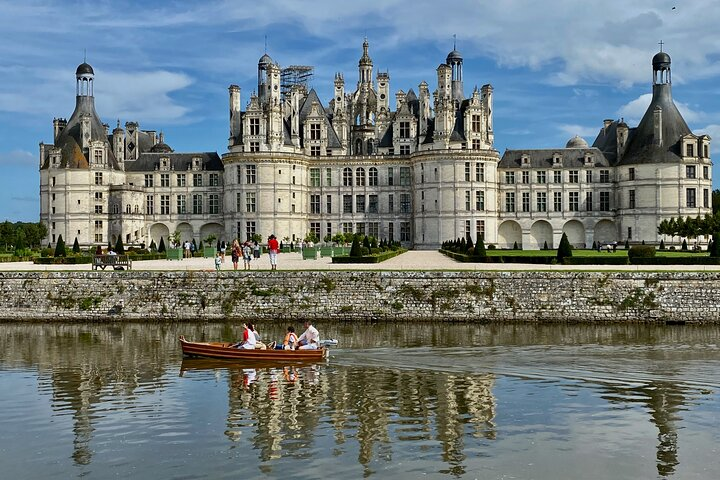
[
  {"x": 705, "y": 151},
  {"x": 526, "y": 201},
  {"x": 360, "y": 177},
  {"x": 360, "y": 228},
  {"x": 541, "y": 201},
  {"x": 238, "y": 202},
  {"x": 557, "y": 201},
  {"x": 254, "y": 147},
  {"x": 467, "y": 200},
  {"x": 467, "y": 171},
  {"x": 404, "y": 129},
  {"x": 604, "y": 176},
  {"x": 181, "y": 204},
  {"x": 98, "y": 225},
  {"x": 604, "y": 201},
  {"x": 557, "y": 176},
  {"x": 197, "y": 204},
  {"x": 573, "y": 176},
  {"x": 372, "y": 204},
  {"x": 328, "y": 177},
  {"x": 347, "y": 177},
  {"x": 690, "y": 198},
  {"x": 315, "y": 228},
  {"x": 475, "y": 122},
  {"x": 467, "y": 229},
  {"x": 509, "y": 201},
  {"x": 98, "y": 208},
  {"x": 588, "y": 176},
  {"x": 631, "y": 173},
  {"x": 314, "y": 151},
  {"x": 405, "y": 176},
  {"x": 690, "y": 171},
  {"x": 314, "y": 177},
  {"x": 631, "y": 199},
  {"x": 347, "y": 227},
  {"x": 197, "y": 180},
  {"x": 391, "y": 231},
  {"x": 373, "y": 229},
  {"x": 254, "y": 126},
  {"x": 213, "y": 204},
  {"x": 479, "y": 172},
  {"x": 250, "y": 229},
  {"x": 214, "y": 179},
  {"x": 706, "y": 173},
  {"x": 404, "y": 149},
  {"x": 98, "y": 156},
  {"x": 588, "y": 201},
  {"x": 404, "y": 231},
  {"x": 405, "y": 202},
  {"x": 164, "y": 179},
  {"x": 391, "y": 203},
  {"x": 347, "y": 203},
  {"x": 373, "y": 177},
  {"x": 328, "y": 204},
  {"x": 315, "y": 132},
  {"x": 526, "y": 177},
  {"x": 390, "y": 176},
  {"x": 480, "y": 200},
  {"x": 98, "y": 196},
  {"x": 250, "y": 174},
  {"x": 315, "y": 204},
  {"x": 476, "y": 144},
  {"x": 328, "y": 229},
  {"x": 706, "y": 197},
  {"x": 541, "y": 176},
  {"x": 250, "y": 202},
  {"x": 573, "y": 201},
  {"x": 150, "y": 205},
  {"x": 148, "y": 180},
  {"x": 164, "y": 204},
  {"x": 690, "y": 150},
  {"x": 181, "y": 182},
  {"x": 479, "y": 229},
  {"x": 509, "y": 177}
]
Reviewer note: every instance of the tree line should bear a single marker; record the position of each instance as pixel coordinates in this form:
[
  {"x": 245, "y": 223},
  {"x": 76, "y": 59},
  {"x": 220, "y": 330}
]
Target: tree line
[{"x": 21, "y": 235}]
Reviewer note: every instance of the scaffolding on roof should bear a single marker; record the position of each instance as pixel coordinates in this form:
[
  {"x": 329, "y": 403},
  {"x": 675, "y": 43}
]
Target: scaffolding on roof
[{"x": 295, "y": 75}]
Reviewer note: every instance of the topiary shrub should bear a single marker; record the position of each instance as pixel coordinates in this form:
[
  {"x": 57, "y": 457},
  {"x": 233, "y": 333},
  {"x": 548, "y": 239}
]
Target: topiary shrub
[
  {"x": 684, "y": 245},
  {"x": 60, "y": 247},
  {"x": 662, "y": 244},
  {"x": 355, "y": 248},
  {"x": 161, "y": 247},
  {"x": 627, "y": 244},
  {"x": 479, "y": 250},
  {"x": 119, "y": 247},
  {"x": 564, "y": 249},
  {"x": 641, "y": 251},
  {"x": 515, "y": 246},
  {"x": 76, "y": 246},
  {"x": 545, "y": 246},
  {"x": 715, "y": 246}
]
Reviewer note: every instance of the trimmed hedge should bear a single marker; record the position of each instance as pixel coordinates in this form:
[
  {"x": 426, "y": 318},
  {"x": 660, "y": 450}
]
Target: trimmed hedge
[
  {"x": 609, "y": 260},
  {"x": 694, "y": 260},
  {"x": 62, "y": 260},
  {"x": 380, "y": 257}
]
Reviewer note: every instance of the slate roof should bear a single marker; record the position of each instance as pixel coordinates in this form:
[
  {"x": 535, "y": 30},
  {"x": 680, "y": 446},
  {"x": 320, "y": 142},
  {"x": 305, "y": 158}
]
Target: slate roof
[
  {"x": 543, "y": 158},
  {"x": 180, "y": 162}
]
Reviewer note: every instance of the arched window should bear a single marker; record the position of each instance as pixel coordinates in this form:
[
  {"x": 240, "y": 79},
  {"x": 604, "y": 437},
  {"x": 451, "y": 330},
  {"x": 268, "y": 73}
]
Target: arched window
[
  {"x": 127, "y": 208},
  {"x": 373, "y": 177},
  {"x": 360, "y": 177},
  {"x": 347, "y": 177}
]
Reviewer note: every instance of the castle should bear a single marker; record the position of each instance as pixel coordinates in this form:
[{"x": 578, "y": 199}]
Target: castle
[{"x": 420, "y": 174}]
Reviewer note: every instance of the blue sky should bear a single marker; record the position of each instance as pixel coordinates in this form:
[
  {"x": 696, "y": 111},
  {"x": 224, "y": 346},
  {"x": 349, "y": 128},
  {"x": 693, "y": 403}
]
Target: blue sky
[{"x": 558, "y": 67}]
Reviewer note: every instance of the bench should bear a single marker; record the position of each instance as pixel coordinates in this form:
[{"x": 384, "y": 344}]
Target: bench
[{"x": 117, "y": 262}]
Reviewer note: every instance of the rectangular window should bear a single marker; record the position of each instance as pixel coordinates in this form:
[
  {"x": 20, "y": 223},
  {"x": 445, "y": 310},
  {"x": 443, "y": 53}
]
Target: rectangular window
[
  {"x": 254, "y": 147},
  {"x": 391, "y": 203},
  {"x": 604, "y": 176},
  {"x": 526, "y": 201},
  {"x": 541, "y": 201},
  {"x": 249, "y": 229},
  {"x": 314, "y": 151},
  {"x": 164, "y": 179},
  {"x": 150, "y": 205},
  {"x": 542, "y": 176},
  {"x": 631, "y": 173},
  {"x": 347, "y": 227},
  {"x": 197, "y": 204},
  {"x": 164, "y": 204},
  {"x": 475, "y": 122},
  {"x": 479, "y": 172},
  {"x": 197, "y": 180},
  {"x": 588, "y": 201},
  {"x": 98, "y": 156},
  {"x": 690, "y": 171},
  {"x": 98, "y": 224},
  {"x": 557, "y": 201},
  {"x": 372, "y": 204},
  {"x": 404, "y": 231},
  {"x": 391, "y": 180},
  {"x": 604, "y": 201},
  {"x": 314, "y": 177},
  {"x": 405, "y": 176},
  {"x": 347, "y": 203},
  {"x": 480, "y": 200},
  {"x": 690, "y": 197},
  {"x": 467, "y": 171},
  {"x": 479, "y": 229},
  {"x": 690, "y": 150},
  {"x": 631, "y": 199},
  {"x": 250, "y": 174},
  {"x": 250, "y": 204},
  {"x": 706, "y": 173},
  {"x": 214, "y": 179},
  {"x": 526, "y": 177},
  {"x": 213, "y": 204},
  {"x": 315, "y": 228},
  {"x": 328, "y": 204},
  {"x": 328, "y": 229},
  {"x": 467, "y": 229},
  {"x": 315, "y": 132},
  {"x": 328, "y": 177},
  {"x": 705, "y": 151},
  {"x": 360, "y": 228},
  {"x": 509, "y": 201},
  {"x": 476, "y": 144},
  {"x": 588, "y": 176},
  {"x": 98, "y": 208},
  {"x": 706, "y": 198},
  {"x": 98, "y": 196},
  {"x": 557, "y": 176},
  {"x": 467, "y": 200},
  {"x": 405, "y": 203},
  {"x": 373, "y": 177},
  {"x": 404, "y": 129},
  {"x": 573, "y": 201},
  {"x": 254, "y": 126},
  {"x": 573, "y": 176},
  {"x": 391, "y": 231},
  {"x": 509, "y": 178},
  {"x": 315, "y": 204},
  {"x": 181, "y": 182},
  {"x": 373, "y": 229},
  {"x": 404, "y": 149},
  {"x": 181, "y": 204},
  {"x": 148, "y": 180}
]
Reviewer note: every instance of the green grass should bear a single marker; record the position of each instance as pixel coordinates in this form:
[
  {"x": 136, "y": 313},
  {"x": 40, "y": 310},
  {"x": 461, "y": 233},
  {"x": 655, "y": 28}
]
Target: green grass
[{"x": 621, "y": 252}]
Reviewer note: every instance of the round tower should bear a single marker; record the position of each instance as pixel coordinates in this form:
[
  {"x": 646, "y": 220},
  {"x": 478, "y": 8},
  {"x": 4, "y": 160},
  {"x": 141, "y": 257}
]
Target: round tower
[{"x": 84, "y": 76}]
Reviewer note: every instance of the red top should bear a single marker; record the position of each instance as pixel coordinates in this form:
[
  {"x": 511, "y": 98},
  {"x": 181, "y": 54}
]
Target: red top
[{"x": 273, "y": 245}]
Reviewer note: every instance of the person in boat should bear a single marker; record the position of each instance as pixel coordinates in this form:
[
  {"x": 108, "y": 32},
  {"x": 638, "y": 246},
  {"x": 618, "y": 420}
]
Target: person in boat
[
  {"x": 249, "y": 339},
  {"x": 289, "y": 342},
  {"x": 258, "y": 344},
  {"x": 310, "y": 339}
]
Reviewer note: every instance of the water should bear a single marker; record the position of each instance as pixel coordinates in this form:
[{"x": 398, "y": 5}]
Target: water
[{"x": 394, "y": 401}]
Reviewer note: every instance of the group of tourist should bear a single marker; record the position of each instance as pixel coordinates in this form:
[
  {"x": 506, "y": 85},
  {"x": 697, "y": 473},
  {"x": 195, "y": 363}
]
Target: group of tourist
[
  {"x": 309, "y": 340},
  {"x": 248, "y": 251}
]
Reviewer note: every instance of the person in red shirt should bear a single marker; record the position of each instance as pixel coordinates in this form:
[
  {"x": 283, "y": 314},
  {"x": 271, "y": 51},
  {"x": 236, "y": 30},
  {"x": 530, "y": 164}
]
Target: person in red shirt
[{"x": 273, "y": 248}]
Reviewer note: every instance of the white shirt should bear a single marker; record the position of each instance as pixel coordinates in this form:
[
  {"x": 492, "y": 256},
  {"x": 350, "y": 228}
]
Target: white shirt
[{"x": 311, "y": 336}]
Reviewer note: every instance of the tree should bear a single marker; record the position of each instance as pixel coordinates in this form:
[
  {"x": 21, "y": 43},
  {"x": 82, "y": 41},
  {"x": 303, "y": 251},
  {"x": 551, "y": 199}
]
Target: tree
[
  {"x": 480, "y": 248},
  {"x": 355, "y": 248},
  {"x": 627, "y": 244},
  {"x": 684, "y": 245},
  {"x": 545, "y": 246},
  {"x": 161, "y": 247},
  {"x": 716, "y": 201},
  {"x": 662, "y": 244},
  {"x": 153, "y": 247},
  {"x": 119, "y": 247},
  {"x": 715, "y": 245},
  {"x": 76, "y": 246},
  {"x": 469, "y": 245},
  {"x": 515, "y": 246},
  {"x": 564, "y": 250},
  {"x": 60, "y": 247}
]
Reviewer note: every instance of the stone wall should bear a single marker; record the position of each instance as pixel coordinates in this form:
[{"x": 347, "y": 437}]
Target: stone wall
[{"x": 362, "y": 295}]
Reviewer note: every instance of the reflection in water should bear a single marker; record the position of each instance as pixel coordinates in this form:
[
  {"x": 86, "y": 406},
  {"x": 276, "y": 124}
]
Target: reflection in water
[{"x": 391, "y": 386}]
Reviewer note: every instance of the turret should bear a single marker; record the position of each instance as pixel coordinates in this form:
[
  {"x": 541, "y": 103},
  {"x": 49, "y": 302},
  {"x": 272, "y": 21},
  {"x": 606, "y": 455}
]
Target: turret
[
  {"x": 365, "y": 66},
  {"x": 118, "y": 139},
  {"x": 263, "y": 64},
  {"x": 424, "y": 106},
  {"x": 383, "y": 80},
  {"x": 235, "y": 114},
  {"x": 487, "y": 102},
  {"x": 454, "y": 60}
]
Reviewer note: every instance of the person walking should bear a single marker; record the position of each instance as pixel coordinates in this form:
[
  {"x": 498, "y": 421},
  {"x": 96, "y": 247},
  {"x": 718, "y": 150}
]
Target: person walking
[
  {"x": 247, "y": 255},
  {"x": 256, "y": 250},
  {"x": 235, "y": 252},
  {"x": 273, "y": 248}
]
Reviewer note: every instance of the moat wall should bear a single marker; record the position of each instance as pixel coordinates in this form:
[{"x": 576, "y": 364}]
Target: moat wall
[{"x": 362, "y": 295}]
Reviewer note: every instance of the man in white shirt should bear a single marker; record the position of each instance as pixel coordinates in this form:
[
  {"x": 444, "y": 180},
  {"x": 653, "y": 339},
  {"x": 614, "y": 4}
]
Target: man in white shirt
[{"x": 310, "y": 339}]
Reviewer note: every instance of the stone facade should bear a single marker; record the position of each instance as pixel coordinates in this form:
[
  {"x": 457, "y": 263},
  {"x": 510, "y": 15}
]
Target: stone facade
[
  {"x": 420, "y": 174},
  {"x": 361, "y": 296}
]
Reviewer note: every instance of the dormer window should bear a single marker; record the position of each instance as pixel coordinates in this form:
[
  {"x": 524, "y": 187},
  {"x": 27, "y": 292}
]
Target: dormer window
[
  {"x": 98, "y": 157},
  {"x": 525, "y": 161},
  {"x": 690, "y": 150},
  {"x": 164, "y": 164},
  {"x": 557, "y": 159},
  {"x": 196, "y": 163},
  {"x": 588, "y": 159}
]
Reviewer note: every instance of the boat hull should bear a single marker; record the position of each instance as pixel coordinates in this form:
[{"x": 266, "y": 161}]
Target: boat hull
[{"x": 223, "y": 351}]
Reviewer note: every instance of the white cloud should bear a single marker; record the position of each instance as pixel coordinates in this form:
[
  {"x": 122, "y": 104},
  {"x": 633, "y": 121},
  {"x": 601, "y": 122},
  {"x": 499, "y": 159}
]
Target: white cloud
[
  {"x": 19, "y": 157},
  {"x": 572, "y": 130},
  {"x": 634, "y": 110},
  {"x": 714, "y": 131}
]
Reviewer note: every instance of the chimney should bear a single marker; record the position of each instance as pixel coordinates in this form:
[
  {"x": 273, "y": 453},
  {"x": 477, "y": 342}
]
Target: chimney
[{"x": 59, "y": 125}]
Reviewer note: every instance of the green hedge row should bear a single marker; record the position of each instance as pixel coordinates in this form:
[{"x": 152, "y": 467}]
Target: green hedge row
[
  {"x": 61, "y": 260},
  {"x": 694, "y": 260},
  {"x": 594, "y": 260},
  {"x": 380, "y": 257}
]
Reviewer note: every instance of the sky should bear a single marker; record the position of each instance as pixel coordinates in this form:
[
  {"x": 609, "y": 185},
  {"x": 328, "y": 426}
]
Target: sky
[{"x": 558, "y": 67}]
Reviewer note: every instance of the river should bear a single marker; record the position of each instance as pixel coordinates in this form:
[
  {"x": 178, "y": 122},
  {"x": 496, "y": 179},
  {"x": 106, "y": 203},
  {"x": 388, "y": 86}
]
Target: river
[{"x": 398, "y": 400}]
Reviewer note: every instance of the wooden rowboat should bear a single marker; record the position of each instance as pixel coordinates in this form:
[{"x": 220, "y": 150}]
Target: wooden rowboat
[{"x": 224, "y": 351}]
